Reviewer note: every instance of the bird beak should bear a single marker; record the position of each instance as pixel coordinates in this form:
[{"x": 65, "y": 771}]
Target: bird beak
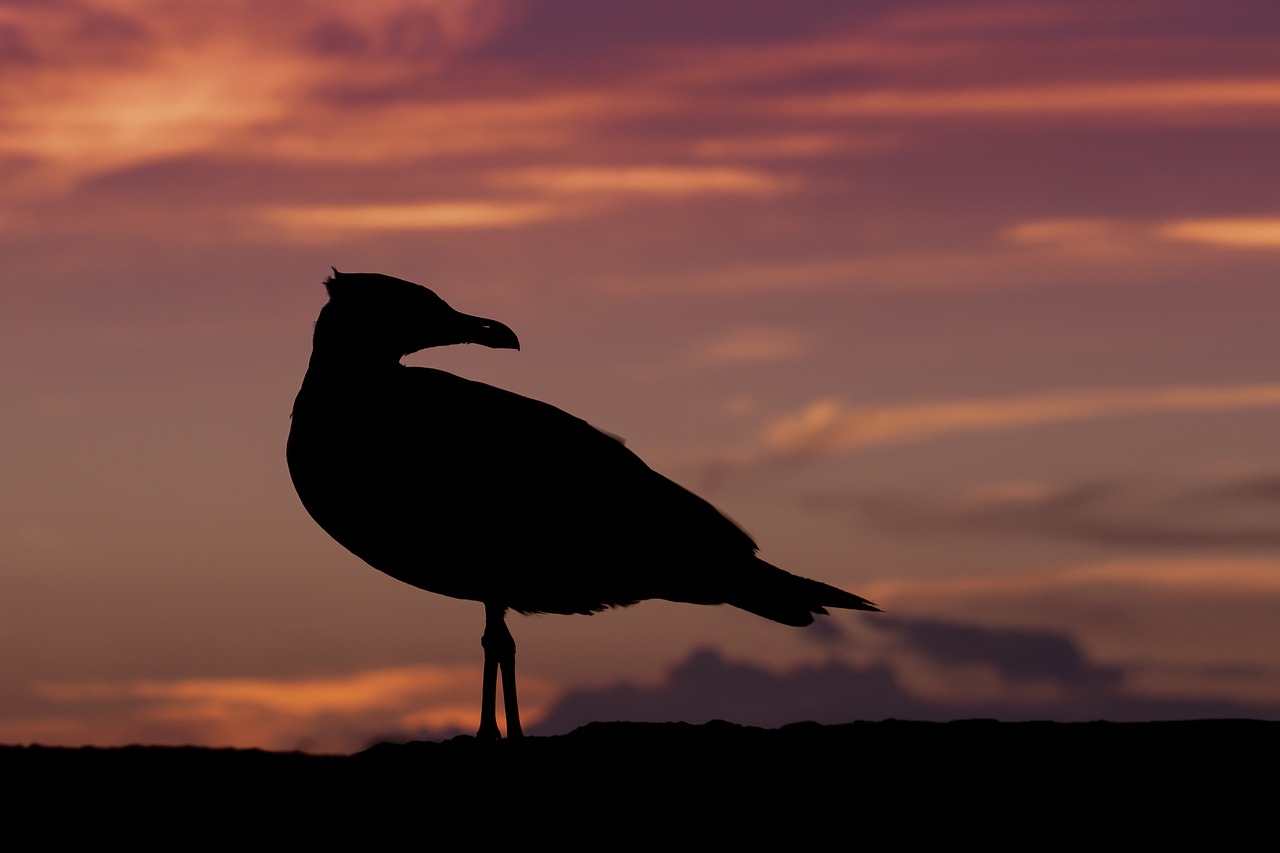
[{"x": 489, "y": 333}]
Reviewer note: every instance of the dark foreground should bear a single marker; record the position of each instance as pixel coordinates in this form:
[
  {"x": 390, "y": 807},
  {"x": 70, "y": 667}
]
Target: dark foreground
[{"x": 968, "y": 781}]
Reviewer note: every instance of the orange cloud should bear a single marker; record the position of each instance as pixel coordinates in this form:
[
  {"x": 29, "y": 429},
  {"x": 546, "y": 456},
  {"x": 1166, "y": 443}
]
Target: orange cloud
[
  {"x": 1240, "y": 233},
  {"x": 647, "y": 180},
  {"x": 337, "y": 714},
  {"x": 310, "y": 223},
  {"x": 320, "y": 223},
  {"x": 382, "y": 133},
  {"x": 1114, "y": 236},
  {"x": 81, "y": 125},
  {"x": 184, "y": 78}
]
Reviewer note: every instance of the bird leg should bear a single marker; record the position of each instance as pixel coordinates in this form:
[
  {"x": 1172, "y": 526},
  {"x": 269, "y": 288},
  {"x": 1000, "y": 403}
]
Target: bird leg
[{"x": 499, "y": 652}]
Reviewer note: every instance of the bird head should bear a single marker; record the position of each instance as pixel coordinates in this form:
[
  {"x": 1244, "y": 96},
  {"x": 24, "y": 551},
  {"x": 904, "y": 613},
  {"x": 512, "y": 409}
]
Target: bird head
[{"x": 380, "y": 315}]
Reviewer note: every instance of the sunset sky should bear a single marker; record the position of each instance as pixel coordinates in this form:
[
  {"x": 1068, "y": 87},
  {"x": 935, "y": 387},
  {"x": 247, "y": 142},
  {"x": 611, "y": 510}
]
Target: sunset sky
[{"x": 967, "y": 307}]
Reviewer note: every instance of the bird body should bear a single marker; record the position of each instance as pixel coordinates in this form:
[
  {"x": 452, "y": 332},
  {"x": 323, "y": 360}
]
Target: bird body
[{"x": 474, "y": 492}]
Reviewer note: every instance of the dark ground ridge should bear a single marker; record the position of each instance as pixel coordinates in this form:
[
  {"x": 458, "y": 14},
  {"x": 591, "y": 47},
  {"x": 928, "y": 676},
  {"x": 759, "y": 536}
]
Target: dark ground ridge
[{"x": 912, "y": 779}]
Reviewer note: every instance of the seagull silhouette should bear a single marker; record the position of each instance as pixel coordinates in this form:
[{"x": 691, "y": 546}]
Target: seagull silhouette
[{"x": 473, "y": 492}]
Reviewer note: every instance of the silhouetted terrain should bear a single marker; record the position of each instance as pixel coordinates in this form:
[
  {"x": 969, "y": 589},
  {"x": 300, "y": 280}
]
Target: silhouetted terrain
[{"x": 967, "y": 780}]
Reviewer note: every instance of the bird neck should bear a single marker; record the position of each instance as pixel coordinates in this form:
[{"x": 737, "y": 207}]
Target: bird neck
[
  {"x": 349, "y": 341},
  {"x": 356, "y": 363},
  {"x": 338, "y": 387}
]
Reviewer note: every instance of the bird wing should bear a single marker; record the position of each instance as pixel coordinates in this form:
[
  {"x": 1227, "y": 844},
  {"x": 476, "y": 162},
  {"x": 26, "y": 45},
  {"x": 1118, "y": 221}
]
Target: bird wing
[
  {"x": 475, "y": 492},
  {"x": 531, "y": 449}
]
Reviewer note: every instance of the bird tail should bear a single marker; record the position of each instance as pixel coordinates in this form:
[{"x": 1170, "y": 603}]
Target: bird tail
[{"x": 790, "y": 599}]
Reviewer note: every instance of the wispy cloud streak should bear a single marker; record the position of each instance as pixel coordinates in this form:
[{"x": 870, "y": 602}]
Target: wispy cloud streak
[
  {"x": 320, "y": 222},
  {"x": 1125, "y": 99},
  {"x": 1240, "y": 233},
  {"x": 1234, "y": 516},
  {"x": 828, "y": 426},
  {"x": 647, "y": 180}
]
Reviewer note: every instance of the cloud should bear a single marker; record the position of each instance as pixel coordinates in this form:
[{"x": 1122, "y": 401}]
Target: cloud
[
  {"x": 971, "y": 662},
  {"x": 337, "y": 128},
  {"x": 1105, "y": 640},
  {"x": 706, "y": 686},
  {"x": 14, "y": 47},
  {"x": 787, "y": 145},
  {"x": 734, "y": 347},
  {"x": 1101, "y": 236},
  {"x": 1265, "y": 489},
  {"x": 978, "y": 18},
  {"x": 753, "y": 344},
  {"x": 1031, "y": 646},
  {"x": 1097, "y": 513},
  {"x": 668, "y": 181},
  {"x": 1179, "y": 625},
  {"x": 569, "y": 28},
  {"x": 549, "y": 193},
  {"x": 1097, "y": 236},
  {"x": 84, "y": 109},
  {"x": 828, "y": 426},
  {"x": 1239, "y": 98},
  {"x": 478, "y": 88},
  {"x": 92, "y": 90},
  {"x": 103, "y": 91},
  {"x": 1015, "y": 654},
  {"x": 1240, "y": 233},
  {"x": 545, "y": 199},
  {"x": 342, "y": 713},
  {"x": 1188, "y": 576},
  {"x": 319, "y": 223}
]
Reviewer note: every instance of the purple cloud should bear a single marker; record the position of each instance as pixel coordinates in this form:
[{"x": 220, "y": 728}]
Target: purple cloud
[
  {"x": 1098, "y": 513},
  {"x": 1017, "y": 654},
  {"x": 706, "y": 686},
  {"x": 572, "y": 27}
]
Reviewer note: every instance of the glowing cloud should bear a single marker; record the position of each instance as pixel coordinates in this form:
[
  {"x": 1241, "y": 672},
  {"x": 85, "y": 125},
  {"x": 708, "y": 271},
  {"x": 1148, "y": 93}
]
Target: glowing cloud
[
  {"x": 380, "y": 133},
  {"x": 338, "y": 714},
  {"x": 120, "y": 83},
  {"x": 1110, "y": 236},
  {"x": 307, "y": 223},
  {"x": 1229, "y": 233},
  {"x": 648, "y": 180}
]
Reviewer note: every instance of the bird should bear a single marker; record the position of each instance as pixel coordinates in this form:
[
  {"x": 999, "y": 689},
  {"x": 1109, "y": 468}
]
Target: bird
[{"x": 478, "y": 493}]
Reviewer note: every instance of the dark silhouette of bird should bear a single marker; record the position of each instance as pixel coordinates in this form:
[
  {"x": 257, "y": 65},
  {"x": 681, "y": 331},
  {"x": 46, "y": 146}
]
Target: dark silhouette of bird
[{"x": 473, "y": 492}]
